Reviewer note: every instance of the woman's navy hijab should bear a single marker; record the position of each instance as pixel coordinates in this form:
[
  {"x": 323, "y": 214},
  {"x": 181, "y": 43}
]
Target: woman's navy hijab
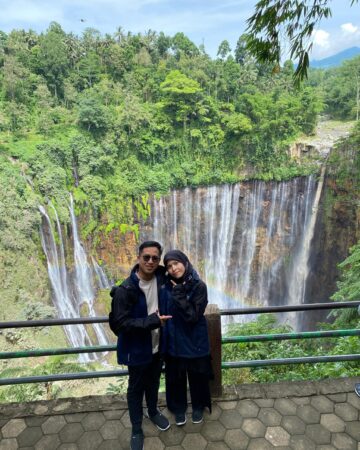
[{"x": 178, "y": 255}]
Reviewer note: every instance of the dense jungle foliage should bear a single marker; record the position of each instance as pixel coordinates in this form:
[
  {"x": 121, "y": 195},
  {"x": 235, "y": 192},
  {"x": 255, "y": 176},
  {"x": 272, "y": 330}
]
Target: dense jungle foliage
[{"x": 115, "y": 116}]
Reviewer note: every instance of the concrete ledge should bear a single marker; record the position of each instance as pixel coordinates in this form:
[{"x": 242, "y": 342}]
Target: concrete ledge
[
  {"x": 290, "y": 389},
  {"x": 231, "y": 393}
]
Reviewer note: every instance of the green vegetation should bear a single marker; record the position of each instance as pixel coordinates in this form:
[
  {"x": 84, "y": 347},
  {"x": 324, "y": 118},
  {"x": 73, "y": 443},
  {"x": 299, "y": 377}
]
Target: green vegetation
[
  {"x": 341, "y": 89},
  {"x": 349, "y": 288},
  {"x": 349, "y": 285},
  {"x": 113, "y": 117},
  {"x": 39, "y": 391},
  {"x": 266, "y": 324}
]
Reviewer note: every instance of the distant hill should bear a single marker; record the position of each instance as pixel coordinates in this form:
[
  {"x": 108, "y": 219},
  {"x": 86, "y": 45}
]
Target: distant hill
[{"x": 335, "y": 60}]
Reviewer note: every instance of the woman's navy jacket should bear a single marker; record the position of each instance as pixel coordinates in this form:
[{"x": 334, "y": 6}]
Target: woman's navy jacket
[
  {"x": 130, "y": 321},
  {"x": 186, "y": 334}
]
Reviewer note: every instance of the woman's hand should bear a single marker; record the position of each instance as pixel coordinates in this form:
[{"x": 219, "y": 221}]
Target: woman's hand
[{"x": 175, "y": 284}]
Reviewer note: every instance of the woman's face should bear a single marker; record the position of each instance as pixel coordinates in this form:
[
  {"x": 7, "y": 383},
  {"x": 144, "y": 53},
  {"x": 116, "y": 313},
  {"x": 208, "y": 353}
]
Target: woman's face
[{"x": 176, "y": 269}]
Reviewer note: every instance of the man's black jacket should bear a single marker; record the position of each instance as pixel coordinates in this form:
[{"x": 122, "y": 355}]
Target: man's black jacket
[{"x": 130, "y": 321}]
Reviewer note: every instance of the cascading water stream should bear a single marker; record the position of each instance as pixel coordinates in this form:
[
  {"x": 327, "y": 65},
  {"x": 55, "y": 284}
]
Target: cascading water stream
[
  {"x": 101, "y": 277},
  {"x": 62, "y": 298},
  {"x": 84, "y": 286},
  {"x": 62, "y": 265},
  {"x": 69, "y": 301},
  {"x": 300, "y": 266},
  {"x": 242, "y": 237}
]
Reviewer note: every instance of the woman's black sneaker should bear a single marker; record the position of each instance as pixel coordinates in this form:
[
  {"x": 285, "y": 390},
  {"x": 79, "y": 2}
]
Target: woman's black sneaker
[
  {"x": 180, "y": 419},
  {"x": 137, "y": 441},
  {"x": 160, "y": 421},
  {"x": 197, "y": 416}
]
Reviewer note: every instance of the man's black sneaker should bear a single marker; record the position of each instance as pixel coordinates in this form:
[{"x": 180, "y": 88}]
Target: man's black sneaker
[
  {"x": 197, "y": 416},
  {"x": 357, "y": 389},
  {"x": 160, "y": 421},
  {"x": 137, "y": 441},
  {"x": 180, "y": 419}
]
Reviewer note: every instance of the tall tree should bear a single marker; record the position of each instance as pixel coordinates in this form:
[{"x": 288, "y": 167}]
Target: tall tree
[
  {"x": 182, "y": 45},
  {"x": 224, "y": 49},
  {"x": 182, "y": 94},
  {"x": 52, "y": 60},
  {"x": 15, "y": 79},
  {"x": 241, "y": 52}
]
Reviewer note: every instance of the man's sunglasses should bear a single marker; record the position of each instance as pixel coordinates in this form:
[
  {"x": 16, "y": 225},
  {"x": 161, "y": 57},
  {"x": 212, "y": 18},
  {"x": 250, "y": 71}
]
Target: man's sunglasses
[{"x": 147, "y": 258}]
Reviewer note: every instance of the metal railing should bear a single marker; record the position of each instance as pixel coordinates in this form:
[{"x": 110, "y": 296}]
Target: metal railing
[{"x": 215, "y": 338}]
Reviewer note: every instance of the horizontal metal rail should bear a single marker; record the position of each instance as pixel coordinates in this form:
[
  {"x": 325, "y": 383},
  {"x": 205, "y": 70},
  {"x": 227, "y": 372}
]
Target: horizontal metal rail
[
  {"x": 63, "y": 376},
  {"x": 225, "y": 340},
  {"x": 223, "y": 312},
  {"x": 277, "y": 362},
  {"x": 56, "y": 351},
  {"x": 285, "y": 336},
  {"x": 289, "y": 308},
  {"x": 53, "y": 322}
]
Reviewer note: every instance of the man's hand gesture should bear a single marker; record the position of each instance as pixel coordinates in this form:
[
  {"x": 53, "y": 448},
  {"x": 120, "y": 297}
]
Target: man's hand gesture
[{"x": 163, "y": 319}]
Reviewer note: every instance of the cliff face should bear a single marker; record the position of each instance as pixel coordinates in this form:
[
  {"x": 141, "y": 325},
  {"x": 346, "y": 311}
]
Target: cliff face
[
  {"x": 319, "y": 145},
  {"x": 118, "y": 253},
  {"x": 337, "y": 229},
  {"x": 338, "y": 220}
]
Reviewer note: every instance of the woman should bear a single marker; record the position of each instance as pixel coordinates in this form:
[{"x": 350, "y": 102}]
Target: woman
[{"x": 186, "y": 339}]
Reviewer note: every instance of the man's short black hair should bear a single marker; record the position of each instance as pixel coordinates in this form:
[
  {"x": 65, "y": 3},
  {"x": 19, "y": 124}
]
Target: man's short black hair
[{"x": 148, "y": 244}]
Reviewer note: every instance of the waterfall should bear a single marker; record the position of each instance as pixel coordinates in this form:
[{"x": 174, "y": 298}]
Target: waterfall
[
  {"x": 102, "y": 279},
  {"x": 84, "y": 285},
  {"x": 62, "y": 298},
  {"x": 300, "y": 267},
  {"x": 71, "y": 291},
  {"x": 242, "y": 238}
]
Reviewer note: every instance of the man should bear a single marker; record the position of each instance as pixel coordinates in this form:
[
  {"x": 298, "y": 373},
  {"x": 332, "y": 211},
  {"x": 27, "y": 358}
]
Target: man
[{"x": 135, "y": 319}]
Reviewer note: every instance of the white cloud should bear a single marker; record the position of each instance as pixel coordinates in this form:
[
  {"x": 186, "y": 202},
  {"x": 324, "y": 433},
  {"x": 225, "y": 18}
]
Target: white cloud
[
  {"x": 349, "y": 28},
  {"x": 339, "y": 38},
  {"x": 321, "y": 38}
]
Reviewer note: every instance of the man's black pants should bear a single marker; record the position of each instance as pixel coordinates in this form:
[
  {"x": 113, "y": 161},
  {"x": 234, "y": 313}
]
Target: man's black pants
[{"x": 143, "y": 379}]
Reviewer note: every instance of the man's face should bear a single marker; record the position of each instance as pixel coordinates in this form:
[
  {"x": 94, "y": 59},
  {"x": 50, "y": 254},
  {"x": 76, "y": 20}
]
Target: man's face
[{"x": 148, "y": 260}]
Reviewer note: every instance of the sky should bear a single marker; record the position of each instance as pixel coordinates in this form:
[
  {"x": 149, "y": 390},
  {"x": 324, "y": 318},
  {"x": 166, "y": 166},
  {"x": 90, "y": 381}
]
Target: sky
[{"x": 206, "y": 22}]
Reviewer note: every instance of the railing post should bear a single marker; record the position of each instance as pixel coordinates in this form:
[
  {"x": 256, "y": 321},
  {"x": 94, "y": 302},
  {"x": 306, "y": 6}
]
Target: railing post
[{"x": 213, "y": 318}]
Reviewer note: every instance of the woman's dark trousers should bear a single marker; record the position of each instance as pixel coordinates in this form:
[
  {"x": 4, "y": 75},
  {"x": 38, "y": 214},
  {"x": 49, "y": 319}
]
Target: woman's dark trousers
[
  {"x": 176, "y": 391},
  {"x": 143, "y": 379}
]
